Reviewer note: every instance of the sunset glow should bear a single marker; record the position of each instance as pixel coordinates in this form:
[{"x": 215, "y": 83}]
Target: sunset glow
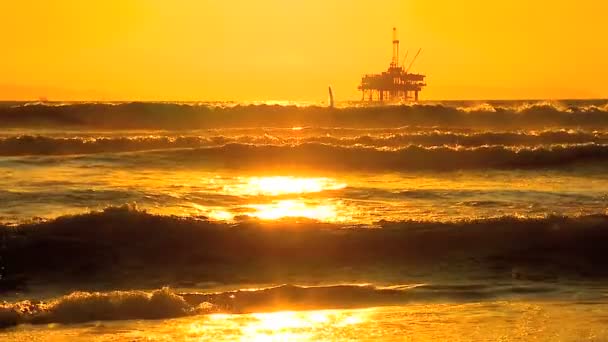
[
  {"x": 285, "y": 50},
  {"x": 312, "y": 170}
]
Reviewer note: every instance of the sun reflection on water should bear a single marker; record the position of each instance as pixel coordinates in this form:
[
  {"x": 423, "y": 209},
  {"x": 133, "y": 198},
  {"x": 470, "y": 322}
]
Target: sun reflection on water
[
  {"x": 281, "y": 185},
  {"x": 289, "y": 197},
  {"x": 280, "y": 326},
  {"x": 296, "y": 208}
]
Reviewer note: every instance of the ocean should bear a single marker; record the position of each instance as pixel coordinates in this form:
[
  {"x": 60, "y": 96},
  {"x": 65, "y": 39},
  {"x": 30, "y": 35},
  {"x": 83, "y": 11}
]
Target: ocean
[{"x": 454, "y": 220}]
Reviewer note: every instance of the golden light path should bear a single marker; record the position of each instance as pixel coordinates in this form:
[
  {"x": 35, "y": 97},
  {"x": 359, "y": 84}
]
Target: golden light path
[
  {"x": 280, "y": 326},
  {"x": 419, "y": 322},
  {"x": 295, "y": 206},
  {"x": 281, "y": 185}
]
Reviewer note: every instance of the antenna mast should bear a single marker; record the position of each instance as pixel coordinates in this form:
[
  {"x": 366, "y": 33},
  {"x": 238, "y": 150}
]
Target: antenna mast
[{"x": 405, "y": 58}]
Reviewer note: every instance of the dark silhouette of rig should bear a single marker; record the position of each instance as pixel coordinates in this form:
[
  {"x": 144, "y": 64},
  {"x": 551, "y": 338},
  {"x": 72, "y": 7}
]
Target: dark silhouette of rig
[{"x": 396, "y": 84}]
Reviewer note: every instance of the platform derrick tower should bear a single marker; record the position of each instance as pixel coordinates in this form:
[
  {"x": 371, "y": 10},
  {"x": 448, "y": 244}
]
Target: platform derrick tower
[{"x": 396, "y": 84}]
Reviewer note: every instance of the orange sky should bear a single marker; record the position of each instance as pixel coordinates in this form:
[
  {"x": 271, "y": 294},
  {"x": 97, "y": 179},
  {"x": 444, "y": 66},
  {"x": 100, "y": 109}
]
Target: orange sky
[{"x": 292, "y": 49}]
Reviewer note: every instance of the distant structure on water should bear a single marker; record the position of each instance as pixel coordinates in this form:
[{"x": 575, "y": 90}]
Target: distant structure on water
[
  {"x": 395, "y": 84},
  {"x": 331, "y": 98}
]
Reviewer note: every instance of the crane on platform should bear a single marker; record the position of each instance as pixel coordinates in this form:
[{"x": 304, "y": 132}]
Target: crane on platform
[
  {"x": 413, "y": 61},
  {"x": 405, "y": 58}
]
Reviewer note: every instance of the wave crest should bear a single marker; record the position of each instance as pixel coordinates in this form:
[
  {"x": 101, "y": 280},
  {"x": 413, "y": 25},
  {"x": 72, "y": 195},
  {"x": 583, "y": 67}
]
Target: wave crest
[
  {"x": 47, "y": 145},
  {"x": 413, "y": 157},
  {"x": 122, "y": 244},
  {"x": 322, "y": 156},
  {"x": 79, "y": 307},
  {"x": 188, "y": 116}
]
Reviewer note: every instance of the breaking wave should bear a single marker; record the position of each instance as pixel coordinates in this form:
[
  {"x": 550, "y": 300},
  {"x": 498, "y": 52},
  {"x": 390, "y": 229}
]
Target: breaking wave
[
  {"x": 121, "y": 245},
  {"x": 321, "y": 156},
  {"x": 413, "y": 157},
  {"x": 514, "y": 115},
  {"x": 48, "y": 145},
  {"x": 79, "y": 307}
]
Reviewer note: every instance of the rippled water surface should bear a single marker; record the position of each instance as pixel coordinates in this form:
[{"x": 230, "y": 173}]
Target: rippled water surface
[
  {"x": 493, "y": 321},
  {"x": 467, "y": 221}
]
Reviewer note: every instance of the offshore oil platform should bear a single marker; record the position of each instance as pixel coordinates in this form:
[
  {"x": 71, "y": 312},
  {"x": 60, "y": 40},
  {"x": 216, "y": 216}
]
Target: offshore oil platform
[{"x": 396, "y": 84}]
